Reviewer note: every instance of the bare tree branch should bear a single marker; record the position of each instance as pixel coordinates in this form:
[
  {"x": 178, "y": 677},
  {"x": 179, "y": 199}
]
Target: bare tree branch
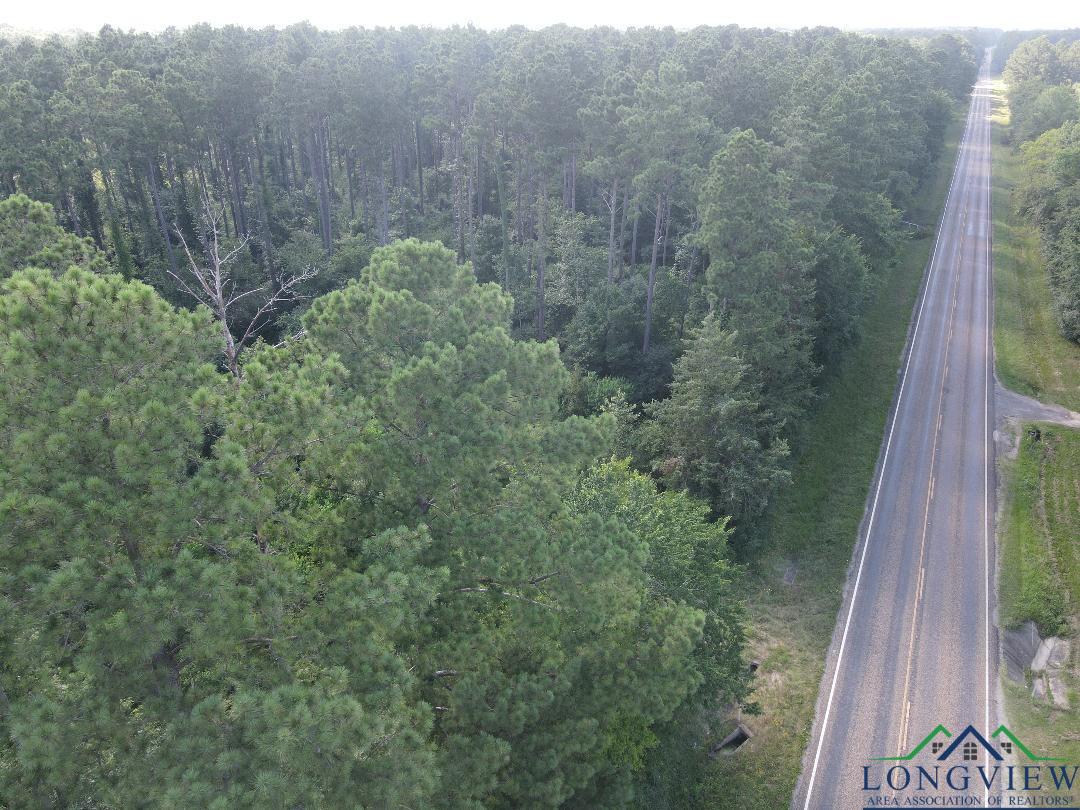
[{"x": 212, "y": 284}]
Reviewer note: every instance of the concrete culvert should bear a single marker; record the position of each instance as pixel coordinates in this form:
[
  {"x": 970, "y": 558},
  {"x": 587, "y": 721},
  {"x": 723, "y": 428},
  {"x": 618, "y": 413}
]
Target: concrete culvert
[{"x": 732, "y": 742}]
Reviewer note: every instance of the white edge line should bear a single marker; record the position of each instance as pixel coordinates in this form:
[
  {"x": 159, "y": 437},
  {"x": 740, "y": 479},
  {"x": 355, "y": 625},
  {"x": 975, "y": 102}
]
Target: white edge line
[
  {"x": 988, "y": 368},
  {"x": 885, "y": 460}
]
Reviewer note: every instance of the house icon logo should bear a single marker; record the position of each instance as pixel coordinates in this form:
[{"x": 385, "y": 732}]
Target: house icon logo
[
  {"x": 998, "y": 764},
  {"x": 969, "y": 746}
]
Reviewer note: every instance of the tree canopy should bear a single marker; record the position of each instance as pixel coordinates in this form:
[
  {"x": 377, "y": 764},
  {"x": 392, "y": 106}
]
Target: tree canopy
[
  {"x": 380, "y": 405},
  {"x": 1043, "y": 79}
]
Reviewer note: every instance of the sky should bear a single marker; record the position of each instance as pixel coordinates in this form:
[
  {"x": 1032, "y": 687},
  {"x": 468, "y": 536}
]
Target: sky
[{"x": 154, "y": 15}]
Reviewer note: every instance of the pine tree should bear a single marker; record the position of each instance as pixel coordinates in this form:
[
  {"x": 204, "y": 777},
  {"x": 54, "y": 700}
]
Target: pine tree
[
  {"x": 163, "y": 642},
  {"x": 537, "y": 653}
]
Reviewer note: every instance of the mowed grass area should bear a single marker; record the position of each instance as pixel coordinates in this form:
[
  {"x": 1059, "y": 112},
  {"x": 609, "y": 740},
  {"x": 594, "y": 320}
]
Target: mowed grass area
[
  {"x": 1032, "y": 356},
  {"x": 1040, "y": 531},
  {"x": 813, "y": 530},
  {"x": 1040, "y": 574}
]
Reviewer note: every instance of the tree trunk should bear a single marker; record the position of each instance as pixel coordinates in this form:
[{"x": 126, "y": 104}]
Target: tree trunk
[
  {"x": 283, "y": 165},
  {"x": 667, "y": 227},
  {"x": 419, "y": 168},
  {"x": 573, "y": 181},
  {"x": 349, "y": 177},
  {"x": 689, "y": 290},
  {"x": 324, "y": 153},
  {"x": 470, "y": 196},
  {"x": 151, "y": 178},
  {"x": 622, "y": 229},
  {"x": 519, "y": 210},
  {"x": 479, "y": 184},
  {"x": 73, "y": 213},
  {"x": 504, "y": 217},
  {"x": 86, "y": 200},
  {"x": 149, "y": 226},
  {"x": 459, "y": 198},
  {"x": 262, "y": 205},
  {"x": 317, "y": 161},
  {"x": 292, "y": 164},
  {"x": 220, "y": 186},
  {"x": 234, "y": 177},
  {"x": 541, "y": 266},
  {"x": 365, "y": 190},
  {"x": 612, "y": 205},
  {"x": 652, "y": 273},
  {"x": 384, "y": 208}
]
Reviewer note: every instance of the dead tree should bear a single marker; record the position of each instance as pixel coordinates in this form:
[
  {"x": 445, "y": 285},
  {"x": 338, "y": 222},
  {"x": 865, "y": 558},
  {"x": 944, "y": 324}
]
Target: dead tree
[{"x": 212, "y": 284}]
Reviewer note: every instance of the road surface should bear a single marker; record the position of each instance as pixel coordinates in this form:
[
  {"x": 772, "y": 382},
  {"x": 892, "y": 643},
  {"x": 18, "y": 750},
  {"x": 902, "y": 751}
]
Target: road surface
[{"x": 915, "y": 644}]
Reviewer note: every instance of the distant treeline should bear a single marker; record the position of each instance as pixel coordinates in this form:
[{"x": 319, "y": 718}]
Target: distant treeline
[
  {"x": 1010, "y": 40},
  {"x": 978, "y": 38}
]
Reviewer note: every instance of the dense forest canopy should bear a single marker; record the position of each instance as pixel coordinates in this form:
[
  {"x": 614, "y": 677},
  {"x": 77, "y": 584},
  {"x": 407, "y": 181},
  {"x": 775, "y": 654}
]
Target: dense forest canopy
[
  {"x": 586, "y": 171},
  {"x": 1043, "y": 78},
  {"x": 380, "y": 404}
]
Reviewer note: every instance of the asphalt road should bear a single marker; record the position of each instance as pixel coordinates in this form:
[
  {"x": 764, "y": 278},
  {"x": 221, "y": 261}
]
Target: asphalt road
[{"x": 915, "y": 644}]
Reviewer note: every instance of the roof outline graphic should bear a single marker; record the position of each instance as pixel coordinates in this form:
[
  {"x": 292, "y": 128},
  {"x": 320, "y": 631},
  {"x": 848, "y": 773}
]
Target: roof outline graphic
[
  {"x": 970, "y": 731},
  {"x": 1002, "y": 729}
]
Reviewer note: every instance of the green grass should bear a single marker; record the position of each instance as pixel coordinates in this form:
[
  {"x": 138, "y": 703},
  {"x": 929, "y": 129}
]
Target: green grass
[
  {"x": 1040, "y": 574},
  {"x": 1032, "y": 356},
  {"x": 1041, "y": 521},
  {"x": 1049, "y": 731},
  {"x": 814, "y": 526}
]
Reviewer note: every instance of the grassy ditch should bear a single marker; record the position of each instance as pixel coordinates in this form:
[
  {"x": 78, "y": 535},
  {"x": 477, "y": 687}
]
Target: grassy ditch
[{"x": 1039, "y": 539}]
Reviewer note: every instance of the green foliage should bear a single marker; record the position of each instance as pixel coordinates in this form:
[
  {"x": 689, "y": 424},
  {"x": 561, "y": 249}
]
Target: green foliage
[
  {"x": 687, "y": 564},
  {"x": 1031, "y": 354},
  {"x": 758, "y": 277},
  {"x": 363, "y": 569},
  {"x": 606, "y": 332},
  {"x": 1035, "y": 59},
  {"x": 957, "y": 59},
  {"x": 1009, "y": 41},
  {"x": 157, "y": 645},
  {"x": 711, "y": 435},
  {"x": 813, "y": 525},
  {"x": 588, "y": 393},
  {"x": 30, "y": 237},
  {"x": 1038, "y": 108},
  {"x": 543, "y": 615},
  {"x": 1044, "y": 99},
  {"x": 842, "y": 286},
  {"x": 517, "y": 149},
  {"x": 1043, "y": 83},
  {"x": 1050, "y": 195}
]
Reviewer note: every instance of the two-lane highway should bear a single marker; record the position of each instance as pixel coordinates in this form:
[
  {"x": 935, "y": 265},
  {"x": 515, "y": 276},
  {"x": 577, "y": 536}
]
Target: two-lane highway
[{"x": 915, "y": 645}]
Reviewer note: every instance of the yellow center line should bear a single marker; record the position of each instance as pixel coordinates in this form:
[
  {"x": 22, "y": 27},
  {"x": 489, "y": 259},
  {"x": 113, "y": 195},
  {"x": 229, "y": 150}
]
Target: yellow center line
[{"x": 901, "y": 742}]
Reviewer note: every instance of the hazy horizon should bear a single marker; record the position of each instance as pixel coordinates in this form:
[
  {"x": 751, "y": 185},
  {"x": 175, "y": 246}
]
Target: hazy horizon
[{"x": 65, "y": 17}]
